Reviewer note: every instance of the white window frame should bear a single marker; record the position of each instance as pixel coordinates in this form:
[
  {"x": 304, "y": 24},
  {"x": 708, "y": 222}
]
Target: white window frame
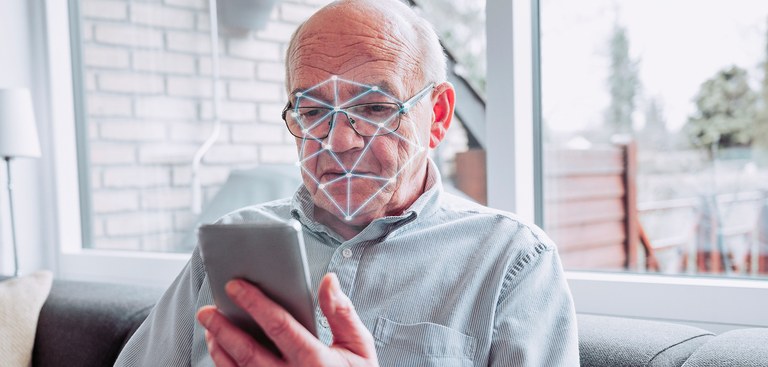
[
  {"x": 72, "y": 260},
  {"x": 716, "y": 304}
]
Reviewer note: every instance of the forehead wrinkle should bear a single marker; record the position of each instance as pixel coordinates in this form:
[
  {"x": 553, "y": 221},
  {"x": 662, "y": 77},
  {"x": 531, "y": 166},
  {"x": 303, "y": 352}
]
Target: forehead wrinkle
[{"x": 347, "y": 37}]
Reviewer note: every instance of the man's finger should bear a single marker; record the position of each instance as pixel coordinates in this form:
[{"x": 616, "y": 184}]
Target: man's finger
[
  {"x": 348, "y": 331},
  {"x": 290, "y": 337},
  {"x": 218, "y": 355},
  {"x": 235, "y": 343}
]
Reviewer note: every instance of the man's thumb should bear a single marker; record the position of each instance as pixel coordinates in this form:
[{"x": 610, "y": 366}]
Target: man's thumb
[{"x": 348, "y": 331}]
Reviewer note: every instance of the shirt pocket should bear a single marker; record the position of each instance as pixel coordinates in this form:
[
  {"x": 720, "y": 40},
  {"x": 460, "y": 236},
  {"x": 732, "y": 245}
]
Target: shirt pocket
[{"x": 422, "y": 344}]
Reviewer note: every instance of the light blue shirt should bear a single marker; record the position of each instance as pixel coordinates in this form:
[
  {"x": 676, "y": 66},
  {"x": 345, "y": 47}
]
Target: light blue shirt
[{"x": 447, "y": 283}]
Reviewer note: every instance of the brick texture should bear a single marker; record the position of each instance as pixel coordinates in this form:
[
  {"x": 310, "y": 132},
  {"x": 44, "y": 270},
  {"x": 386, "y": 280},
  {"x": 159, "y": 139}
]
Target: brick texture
[{"x": 147, "y": 70}]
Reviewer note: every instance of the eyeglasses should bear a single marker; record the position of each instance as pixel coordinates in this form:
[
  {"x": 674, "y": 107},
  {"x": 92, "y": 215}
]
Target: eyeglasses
[{"x": 367, "y": 119}]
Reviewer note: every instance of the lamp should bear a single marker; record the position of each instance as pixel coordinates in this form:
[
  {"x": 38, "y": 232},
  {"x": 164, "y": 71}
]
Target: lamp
[{"x": 18, "y": 138}]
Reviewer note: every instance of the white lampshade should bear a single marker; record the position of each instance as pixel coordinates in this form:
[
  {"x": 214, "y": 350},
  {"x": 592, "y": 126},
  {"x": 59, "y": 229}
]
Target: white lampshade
[{"x": 18, "y": 131}]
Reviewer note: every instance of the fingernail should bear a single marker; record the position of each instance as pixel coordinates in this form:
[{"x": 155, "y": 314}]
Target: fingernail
[
  {"x": 206, "y": 320},
  {"x": 234, "y": 287}
]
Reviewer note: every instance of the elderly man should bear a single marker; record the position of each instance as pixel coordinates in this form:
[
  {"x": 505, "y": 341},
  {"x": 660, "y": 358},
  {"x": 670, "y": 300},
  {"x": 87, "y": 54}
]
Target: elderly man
[{"x": 406, "y": 274}]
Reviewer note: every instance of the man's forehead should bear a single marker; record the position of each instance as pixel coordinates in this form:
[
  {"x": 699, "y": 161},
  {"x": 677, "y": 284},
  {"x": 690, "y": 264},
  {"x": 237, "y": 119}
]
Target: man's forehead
[{"x": 341, "y": 88}]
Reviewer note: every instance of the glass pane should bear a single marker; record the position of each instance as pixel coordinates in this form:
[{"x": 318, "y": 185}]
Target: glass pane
[
  {"x": 460, "y": 24},
  {"x": 655, "y": 121},
  {"x": 148, "y": 91}
]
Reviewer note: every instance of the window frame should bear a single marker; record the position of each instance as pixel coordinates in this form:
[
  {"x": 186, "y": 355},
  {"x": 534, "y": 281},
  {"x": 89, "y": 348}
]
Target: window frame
[
  {"x": 71, "y": 260},
  {"x": 513, "y": 182}
]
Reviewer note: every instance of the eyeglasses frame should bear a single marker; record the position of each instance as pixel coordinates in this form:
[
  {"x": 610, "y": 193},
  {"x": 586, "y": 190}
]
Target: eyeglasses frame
[{"x": 403, "y": 108}]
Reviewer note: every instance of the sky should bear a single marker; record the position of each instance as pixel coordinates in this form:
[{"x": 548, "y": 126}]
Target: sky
[{"x": 679, "y": 45}]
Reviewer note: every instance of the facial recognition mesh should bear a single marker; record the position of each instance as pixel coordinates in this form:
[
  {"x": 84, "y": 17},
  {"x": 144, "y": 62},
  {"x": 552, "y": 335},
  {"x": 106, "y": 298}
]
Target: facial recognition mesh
[{"x": 373, "y": 114}]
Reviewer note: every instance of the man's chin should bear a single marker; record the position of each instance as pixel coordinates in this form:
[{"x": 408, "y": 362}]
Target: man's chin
[{"x": 358, "y": 211}]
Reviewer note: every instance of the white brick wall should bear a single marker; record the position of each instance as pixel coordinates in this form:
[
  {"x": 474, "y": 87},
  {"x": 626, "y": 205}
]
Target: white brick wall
[
  {"x": 163, "y": 62},
  {"x": 109, "y": 105},
  {"x": 106, "y": 57},
  {"x": 131, "y": 83},
  {"x": 259, "y": 134},
  {"x": 209, "y": 175},
  {"x": 161, "y": 16},
  {"x": 189, "y": 42},
  {"x": 138, "y": 223},
  {"x": 254, "y": 49},
  {"x": 165, "y": 108},
  {"x": 113, "y": 201},
  {"x": 230, "y": 111},
  {"x": 166, "y": 153},
  {"x": 286, "y": 154},
  {"x": 248, "y": 91},
  {"x": 229, "y": 68},
  {"x": 272, "y": 71},
  {"x": 271, "y": 112},
  {"x": 224, "y": 154},
  {"x": 102, "y": 153},
  {"x": 193, "y": 4},
  {"x": 136, "y": 177},
  {"x": 128, "y": 35},
  {"x": 127, "y": 130},
  {"x": 165, "y": 198},
  {"x": 190, "y": 87},
  {"x": 114, "y": 10},
  {"x": 295, "y": 13},
  {"x": 197, "y": 133},
  {"x": 147, "y": 69}
]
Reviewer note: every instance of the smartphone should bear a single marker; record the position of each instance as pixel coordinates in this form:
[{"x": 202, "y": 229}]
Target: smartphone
[{"x": 269, "y": 255}]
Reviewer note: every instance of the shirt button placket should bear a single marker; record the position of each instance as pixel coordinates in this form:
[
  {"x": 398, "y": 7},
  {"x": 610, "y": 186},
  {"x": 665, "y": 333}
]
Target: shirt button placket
[{"x": 347, "y": 253}]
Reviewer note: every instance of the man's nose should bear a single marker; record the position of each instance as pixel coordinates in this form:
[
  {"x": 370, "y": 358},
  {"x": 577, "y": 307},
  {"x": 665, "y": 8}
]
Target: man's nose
[{"x": 343, "y": 137}]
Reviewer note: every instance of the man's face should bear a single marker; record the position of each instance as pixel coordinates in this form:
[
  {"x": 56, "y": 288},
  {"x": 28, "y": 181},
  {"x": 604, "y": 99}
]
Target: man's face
[{"x": 354, "y": 177}]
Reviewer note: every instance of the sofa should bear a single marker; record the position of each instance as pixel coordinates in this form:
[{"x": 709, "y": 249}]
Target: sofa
[{"x": 86, "y": 324}]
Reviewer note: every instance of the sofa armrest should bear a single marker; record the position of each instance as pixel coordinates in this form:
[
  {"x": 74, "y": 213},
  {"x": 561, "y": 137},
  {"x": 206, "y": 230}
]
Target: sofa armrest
[
  {"x": 87, "y": 324},
  {"x": 742, "y": 347},
  {"x": 617, "y": 342}
]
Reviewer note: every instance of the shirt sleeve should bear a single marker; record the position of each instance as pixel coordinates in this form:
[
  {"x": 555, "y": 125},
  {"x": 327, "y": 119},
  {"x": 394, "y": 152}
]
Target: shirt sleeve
[
  {"x": 535, "y": 317},
  {"x": 166, "y": 337}
]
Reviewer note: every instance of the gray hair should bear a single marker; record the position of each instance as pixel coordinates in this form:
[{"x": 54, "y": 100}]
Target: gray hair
[{"x": 434, "y": 66}]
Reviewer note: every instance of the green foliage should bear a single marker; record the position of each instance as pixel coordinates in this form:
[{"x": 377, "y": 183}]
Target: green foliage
[
  {"x": 726, "y": 112},
  {"x": 623, "y": 83}
]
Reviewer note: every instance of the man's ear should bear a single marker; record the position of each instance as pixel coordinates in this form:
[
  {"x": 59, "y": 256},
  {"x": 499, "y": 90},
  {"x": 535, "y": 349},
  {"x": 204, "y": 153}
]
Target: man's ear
[{"x": 443, "y": 101}]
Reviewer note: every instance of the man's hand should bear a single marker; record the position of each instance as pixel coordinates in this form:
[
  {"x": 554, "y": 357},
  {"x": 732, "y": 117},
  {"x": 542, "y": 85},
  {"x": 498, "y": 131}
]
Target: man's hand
[{"x": 229, "y": 346}]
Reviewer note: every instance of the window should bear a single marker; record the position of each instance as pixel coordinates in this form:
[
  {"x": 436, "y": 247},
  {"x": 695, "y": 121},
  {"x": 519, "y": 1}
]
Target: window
[
  {"x": 155, "y": 151},
  {"x": 513, "y": 105},
  {"x": 655, "y": 129}
]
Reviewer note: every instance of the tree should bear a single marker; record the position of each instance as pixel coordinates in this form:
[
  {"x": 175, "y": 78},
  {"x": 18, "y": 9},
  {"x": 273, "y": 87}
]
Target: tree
[
  {"x": 654, "y": 133},
  {"x": 623, "y": 83},
  {"x": 726, "y": 112}
]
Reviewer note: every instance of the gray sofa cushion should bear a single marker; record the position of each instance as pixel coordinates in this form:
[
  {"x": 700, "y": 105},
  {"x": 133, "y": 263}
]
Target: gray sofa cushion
[
  {"x": 619, "y": 342},
  {"x": 736, "y": 348},
  {"x": 87, "y": 324}
]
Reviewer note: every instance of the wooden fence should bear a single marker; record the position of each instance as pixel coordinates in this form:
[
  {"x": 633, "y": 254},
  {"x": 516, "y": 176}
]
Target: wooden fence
[{"x": 591, "y": 212}]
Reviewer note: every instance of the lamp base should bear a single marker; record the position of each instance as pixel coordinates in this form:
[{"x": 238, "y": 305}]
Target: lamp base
[{"x": 13, "y": 222}]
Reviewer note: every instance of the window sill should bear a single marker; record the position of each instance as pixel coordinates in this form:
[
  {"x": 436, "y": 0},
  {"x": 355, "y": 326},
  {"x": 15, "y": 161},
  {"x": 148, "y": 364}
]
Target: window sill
[{"x": 725, "y": 302}]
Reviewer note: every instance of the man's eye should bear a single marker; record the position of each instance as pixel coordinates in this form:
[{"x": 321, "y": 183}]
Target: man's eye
[
  {"x": 380, "y": 110},
  {"x": 311, "y": 113}
]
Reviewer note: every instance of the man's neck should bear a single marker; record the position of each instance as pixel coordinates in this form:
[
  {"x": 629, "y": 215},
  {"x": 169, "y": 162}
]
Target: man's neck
[{"x": 348, "y": 230}]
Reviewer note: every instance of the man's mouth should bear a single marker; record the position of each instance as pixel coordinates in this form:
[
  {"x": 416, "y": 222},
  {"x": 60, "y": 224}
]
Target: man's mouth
[{"x": 334, "y": 176}]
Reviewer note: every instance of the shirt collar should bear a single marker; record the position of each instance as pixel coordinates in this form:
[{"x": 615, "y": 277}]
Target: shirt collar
[{"x": 428, "y": 203}]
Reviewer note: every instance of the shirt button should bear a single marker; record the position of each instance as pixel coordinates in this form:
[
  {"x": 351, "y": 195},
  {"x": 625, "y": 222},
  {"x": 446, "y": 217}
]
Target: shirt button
[
  {"x": 324, "y": 322},
  {"x": 347, "y": 253}
]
